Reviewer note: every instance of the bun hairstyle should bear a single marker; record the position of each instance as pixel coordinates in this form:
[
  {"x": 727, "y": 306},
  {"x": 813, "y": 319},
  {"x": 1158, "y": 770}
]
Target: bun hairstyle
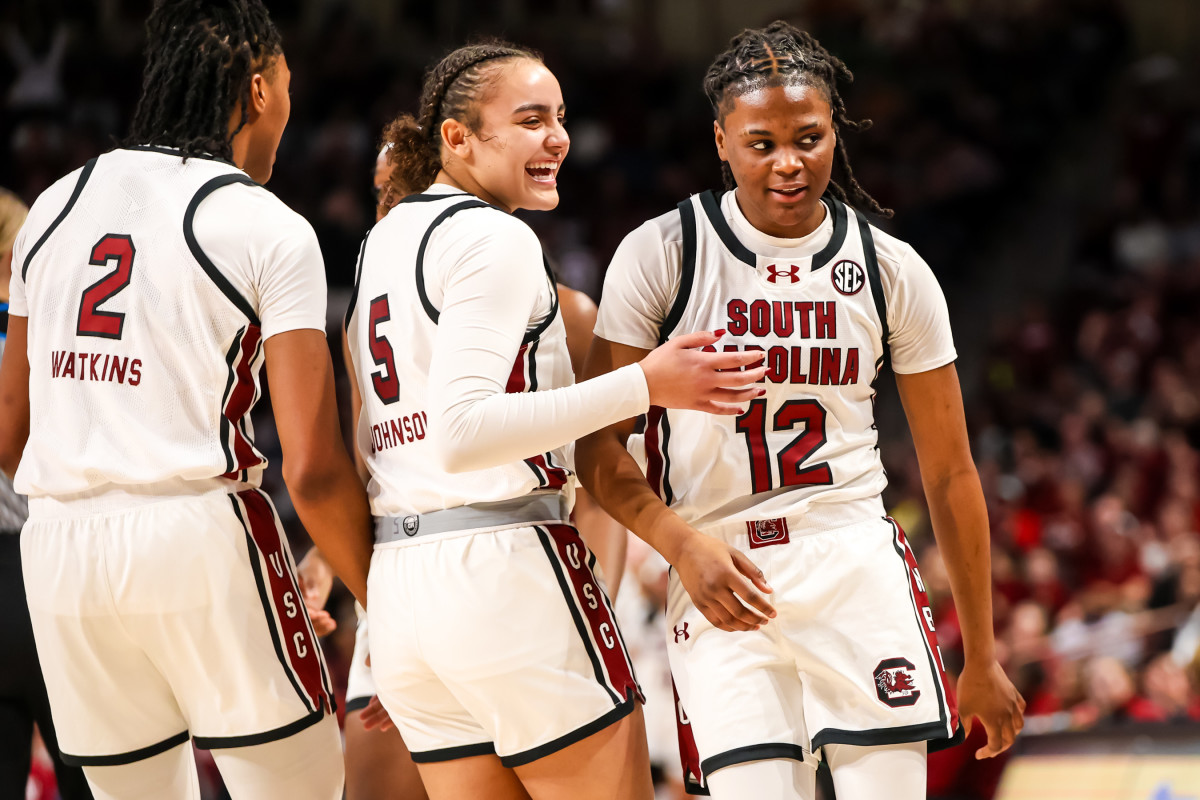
[
  {"x": 200, "y": 57},
  {"x": 453, "y": 89},
  {"x": 783, "y": 55}
]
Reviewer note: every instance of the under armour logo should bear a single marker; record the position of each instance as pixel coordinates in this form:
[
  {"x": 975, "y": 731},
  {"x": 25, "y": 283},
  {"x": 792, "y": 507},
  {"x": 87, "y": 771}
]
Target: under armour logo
[
  {"x": 792, "y": 272},
  {"x": 681, "y": 632}
]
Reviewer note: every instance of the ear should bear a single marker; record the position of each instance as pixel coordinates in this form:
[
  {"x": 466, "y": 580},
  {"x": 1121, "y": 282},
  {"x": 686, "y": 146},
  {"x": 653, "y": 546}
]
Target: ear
[
  {"x": 456, "y": 138},
  {"x": 719, "y": 136},
  {"x": 258, "y": 96}
]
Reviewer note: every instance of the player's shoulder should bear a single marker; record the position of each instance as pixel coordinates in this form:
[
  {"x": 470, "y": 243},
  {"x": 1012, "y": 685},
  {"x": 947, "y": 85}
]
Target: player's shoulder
[
  {"x": 249, "y": 209},
  {"x": 488, "y": 226},
  {"x": 893, "y": 253},
  {"x": 666, "y": 228},
  {"x": 53, "y": 200}
]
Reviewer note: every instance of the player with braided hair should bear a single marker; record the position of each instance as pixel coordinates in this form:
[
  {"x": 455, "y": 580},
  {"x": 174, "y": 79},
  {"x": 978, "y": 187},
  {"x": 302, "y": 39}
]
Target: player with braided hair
[
  {"x": 842, "y": 661},
  {"x": 494, "y": 648},
  {"x": 149, "y": 289}
]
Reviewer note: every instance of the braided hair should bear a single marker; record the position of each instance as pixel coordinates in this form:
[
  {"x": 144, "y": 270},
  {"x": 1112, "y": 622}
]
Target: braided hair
[
  {"x": 783, "y": 55},
  {"x": 200, "y": 58},
  {"x": 453, "y": 89}
]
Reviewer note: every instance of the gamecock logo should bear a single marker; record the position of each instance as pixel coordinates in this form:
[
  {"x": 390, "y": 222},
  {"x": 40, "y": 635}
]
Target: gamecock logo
[{"x": 894, "y": 682}]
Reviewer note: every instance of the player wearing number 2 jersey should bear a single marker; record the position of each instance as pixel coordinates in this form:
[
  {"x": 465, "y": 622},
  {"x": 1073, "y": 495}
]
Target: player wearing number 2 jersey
[
  {"x": 799, "y": 624},
  {"x": 149, "y": 289}
]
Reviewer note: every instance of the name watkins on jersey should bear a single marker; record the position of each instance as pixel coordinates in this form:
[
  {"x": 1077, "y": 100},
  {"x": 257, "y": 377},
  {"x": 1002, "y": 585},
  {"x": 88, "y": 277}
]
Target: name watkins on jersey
[
  {"x": 818, "y": 366},
  {"x": 95, "y": 367}
]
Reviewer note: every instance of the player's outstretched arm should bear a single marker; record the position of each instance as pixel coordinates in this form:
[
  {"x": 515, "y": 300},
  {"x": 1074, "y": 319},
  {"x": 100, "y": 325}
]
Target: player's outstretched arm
[
  {"x": 14, "y": 396},
  {"x": 933, "y": 404},
  {"x": 325, "y": 489},
  {"x": 711, "y": 571}
]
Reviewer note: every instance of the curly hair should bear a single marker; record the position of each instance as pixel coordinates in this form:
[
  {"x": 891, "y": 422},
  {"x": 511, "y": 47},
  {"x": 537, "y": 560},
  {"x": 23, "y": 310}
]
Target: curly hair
[
  {"x": 453, "y": 89},
  {"x": 200, "y": 58},
  {"x": 783, "y": 55}
]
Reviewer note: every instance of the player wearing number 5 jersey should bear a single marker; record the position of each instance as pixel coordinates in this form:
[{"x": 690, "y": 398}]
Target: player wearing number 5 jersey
[
  {"x": 149, "y": 288},
  {"x": 799, "y": 624}
]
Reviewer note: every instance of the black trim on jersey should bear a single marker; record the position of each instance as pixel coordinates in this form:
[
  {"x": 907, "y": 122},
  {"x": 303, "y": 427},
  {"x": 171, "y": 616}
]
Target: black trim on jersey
[
  {"x": 189, "y": 235},
  {"x": 253, "y": 552},
  {"x": 452, "y": 753},
  {"x": 438, "y": 220},
  {"x": 579, "y": 734},
  {"x": 531, "y": 355},
  {"x": 358, "y": 703},
  {"x": 733, "y": 244},
  {"x": 580, "y": 626},
  {"x": 931, "y": 732},
  {"x": 428, "y": 198},
  {"x": 172, "y": 151},
  {"x": 668, "y": 495},
  {"x": 687, "y": 270},
  {"x": 872, "y": 265},
  {"x": 943, "y": 706},
  {"x": 753, "y": 752},
  {"x": 230, "y": 361},
  {"x": 120, "y": 759},
  {"x": 83, "y": 178},
  {"x": 362, "y": 249},
  {"x": 533, "y": 334},
  {"x": 838, "y": 209},
  {"x": 252, "y": 739}
]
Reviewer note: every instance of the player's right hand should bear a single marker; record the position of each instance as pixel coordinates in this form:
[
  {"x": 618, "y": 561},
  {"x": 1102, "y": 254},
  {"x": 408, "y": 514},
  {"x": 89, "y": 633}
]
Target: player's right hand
[
  {"x": 718, "y": 578},
  {"x": 679, "y": 375},
  {"x": 374, "y": 715}
]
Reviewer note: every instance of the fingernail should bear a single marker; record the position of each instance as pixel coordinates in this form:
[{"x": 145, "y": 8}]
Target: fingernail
[
  {"x": 761, "y": 392},
  {"x": 719, "y": 332}
]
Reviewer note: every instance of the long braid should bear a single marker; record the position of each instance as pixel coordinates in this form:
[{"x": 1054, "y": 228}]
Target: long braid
[
  {"x": 783, "y": 54},
  {"x": 200, "y": 57},
  {"x": 452, "y": 90}
]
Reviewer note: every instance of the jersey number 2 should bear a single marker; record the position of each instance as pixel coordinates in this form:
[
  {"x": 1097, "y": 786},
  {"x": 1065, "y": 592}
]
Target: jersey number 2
[
  {"x": 387, "y": 385},
  {"x": 92, "y": 321},
  {"x": 793, "y": 412}
]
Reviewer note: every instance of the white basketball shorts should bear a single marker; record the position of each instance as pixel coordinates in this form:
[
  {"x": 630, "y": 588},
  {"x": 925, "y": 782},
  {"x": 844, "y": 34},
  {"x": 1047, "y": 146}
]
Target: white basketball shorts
[
  {"x": 851, "y": 658},
  {"x": 179, "y": 617},
  {"x": 360, "y": 684},
  {"x": 498, "y": 641}
]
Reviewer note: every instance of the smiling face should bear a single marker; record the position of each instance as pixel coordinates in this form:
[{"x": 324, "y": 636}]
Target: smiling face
[
  {"x": 780, "y": 144},
  {"x": 513, "y": 159}
]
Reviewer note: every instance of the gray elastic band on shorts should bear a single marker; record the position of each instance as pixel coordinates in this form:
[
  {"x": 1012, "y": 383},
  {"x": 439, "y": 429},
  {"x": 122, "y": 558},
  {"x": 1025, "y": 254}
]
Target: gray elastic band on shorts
[{"x": 549, "y": 507}]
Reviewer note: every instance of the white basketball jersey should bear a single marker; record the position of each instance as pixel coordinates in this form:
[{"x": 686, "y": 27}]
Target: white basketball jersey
[
  {"x": 144, "y": 357},
  {"x": 391, "y": 327},
  {"x": 820, "y": 321}
]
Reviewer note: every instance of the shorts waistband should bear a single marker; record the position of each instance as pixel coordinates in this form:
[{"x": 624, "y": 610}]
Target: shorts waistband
[
  {"x": 114, "y": 498},
  {"x": 816, "y": 518},
  {"x": 531, "y": 509}
]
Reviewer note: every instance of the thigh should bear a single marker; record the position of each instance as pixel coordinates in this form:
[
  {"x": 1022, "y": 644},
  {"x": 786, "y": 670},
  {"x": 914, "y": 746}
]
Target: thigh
[
  {"x": 613, "y": 762},
  {"x": 897, "y": 771},
  {"x": 784, "y": 779},
  {"x": 477, "y": 776},
  {"x": 169, "y": 775},
  {"x": 304, "y": 766},
  {"x": 378, "y": 764}
]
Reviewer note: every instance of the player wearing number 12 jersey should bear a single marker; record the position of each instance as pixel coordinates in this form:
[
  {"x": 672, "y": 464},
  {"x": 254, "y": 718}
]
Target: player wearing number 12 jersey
[
  {"x": 800, "y": 629},
  {"x": 149, "y": 288}
]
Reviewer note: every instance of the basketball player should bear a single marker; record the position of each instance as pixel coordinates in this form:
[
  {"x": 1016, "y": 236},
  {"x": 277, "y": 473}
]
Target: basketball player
[
  {"x": 841, "y": 662},
  {"x": 148, "y": 289},
  {"x": 493, "y": 645}
]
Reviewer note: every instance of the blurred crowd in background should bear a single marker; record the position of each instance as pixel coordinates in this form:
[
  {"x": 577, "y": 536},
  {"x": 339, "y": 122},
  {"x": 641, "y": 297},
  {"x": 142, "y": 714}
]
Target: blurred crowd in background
[{"x": 1083, "y": 397}]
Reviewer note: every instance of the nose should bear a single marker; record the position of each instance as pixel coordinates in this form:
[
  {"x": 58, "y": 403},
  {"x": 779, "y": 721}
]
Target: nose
[
  {"x": 557, "y": 139},
  {"x": 787, "y": 161}
]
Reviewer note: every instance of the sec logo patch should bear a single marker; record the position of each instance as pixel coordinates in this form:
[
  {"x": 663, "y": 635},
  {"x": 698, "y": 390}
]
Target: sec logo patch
[{"x": 848, "y": 277}]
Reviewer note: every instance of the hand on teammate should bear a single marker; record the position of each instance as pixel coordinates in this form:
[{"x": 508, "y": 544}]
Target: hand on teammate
[
  {"x": 316, "y": 581},
  {"x": 986, "y": 692},
  {"x": 679, "y": 375},
  {"x": 724, "y": 584},
  {"x": 374, "y": 715}
]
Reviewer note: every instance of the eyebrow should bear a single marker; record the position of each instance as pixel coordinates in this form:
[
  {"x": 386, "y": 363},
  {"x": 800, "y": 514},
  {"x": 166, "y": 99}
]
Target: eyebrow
[
  {"x": 538, "y": 107},
  {"x": 760, "y": 132}
]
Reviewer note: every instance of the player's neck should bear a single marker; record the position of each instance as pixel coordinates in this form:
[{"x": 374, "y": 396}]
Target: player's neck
[{"x": 462, "y": 179}]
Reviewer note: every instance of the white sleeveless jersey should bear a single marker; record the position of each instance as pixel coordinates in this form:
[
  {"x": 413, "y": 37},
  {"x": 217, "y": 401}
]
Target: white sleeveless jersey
[
  {"x": 144, "y": 346},
  {"x": 391, "y": 327},
  {"x": 820, "y": 312}
]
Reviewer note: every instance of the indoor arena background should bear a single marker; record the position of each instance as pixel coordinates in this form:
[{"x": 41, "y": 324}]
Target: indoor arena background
[{"x": 1043, "y": 156}]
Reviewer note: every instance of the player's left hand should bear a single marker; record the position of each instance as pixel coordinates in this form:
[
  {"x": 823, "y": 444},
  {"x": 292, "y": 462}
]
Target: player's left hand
[
  {"x": 984, "y": 691},
  {"x": 374, "y": 715},
  {"x": 316, "y": 582}
]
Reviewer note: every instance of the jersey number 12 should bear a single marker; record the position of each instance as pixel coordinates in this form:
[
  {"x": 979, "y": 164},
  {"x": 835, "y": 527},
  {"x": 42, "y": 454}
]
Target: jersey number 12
[{"x": 790, "y": 459}]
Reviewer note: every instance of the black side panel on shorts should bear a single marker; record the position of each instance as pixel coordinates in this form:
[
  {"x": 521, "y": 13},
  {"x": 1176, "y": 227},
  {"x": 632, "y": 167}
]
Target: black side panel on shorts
[
  {"x": 715, "y": 218},
  {"x": 438, "y": 220},
  {"x": 210, "y": 269},
  {"x": 687, "y": 270},
  {"x": 83, "y": 178},
  {"x": 362, "y": 248},
  {"x": 838, "y": 209},
  {"x": 872, "y": 265}
]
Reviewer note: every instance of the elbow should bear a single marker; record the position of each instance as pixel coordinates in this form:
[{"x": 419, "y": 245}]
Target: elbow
[
  {"x": 310, "y": 478},
  {"x": 9, "y": 463},
  {"x": 454, "y": 456}
]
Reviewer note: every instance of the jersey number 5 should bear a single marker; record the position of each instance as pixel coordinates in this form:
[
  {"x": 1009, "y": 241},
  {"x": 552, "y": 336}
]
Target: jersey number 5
[
  {"x": 387, "y": 385},
  {"x": 793, "y": 412},
  {"x": 92, "y": 321}
]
